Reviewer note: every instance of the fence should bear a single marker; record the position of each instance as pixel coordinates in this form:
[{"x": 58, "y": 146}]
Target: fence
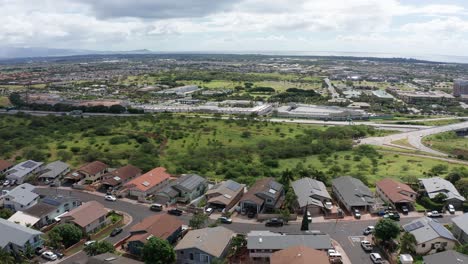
[
  {"x": 71, "y": 248},
  {"x": 263, "y": 217},
  {"x": 106, "y": 229}
]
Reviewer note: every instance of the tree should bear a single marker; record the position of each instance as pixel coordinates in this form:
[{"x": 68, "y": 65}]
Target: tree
[
  {"x": 99, "y": 247},
  {"x": 238, "y": 242},
  {"x": 5, "y": 213},
  {"x": 305, "y": 221},
  {"x": 6, "y": 257},
  {"x": 158, "y": 251},
  {"x": 438, "y": 169},
  {"x": 386, "y": 229},
  {"x": 408, "y": 243},
  {"x": 462, "y": 186},
  {"x": 198, "y": 220},
  {"x": 463, "y": 249},
  {"x": 440, "y": 198},
  {"x": 68, "y": 234},
  {"x": 285, "y": 214}
]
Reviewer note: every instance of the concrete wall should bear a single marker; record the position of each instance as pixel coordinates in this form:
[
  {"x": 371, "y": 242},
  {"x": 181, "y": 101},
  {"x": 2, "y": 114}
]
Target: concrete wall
[{"x": 11, "y": 204}]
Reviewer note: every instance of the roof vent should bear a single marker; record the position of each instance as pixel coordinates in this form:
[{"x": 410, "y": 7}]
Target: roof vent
[
  {"x": 145, "y": 183},
  {"x": 260, "y": 240}
]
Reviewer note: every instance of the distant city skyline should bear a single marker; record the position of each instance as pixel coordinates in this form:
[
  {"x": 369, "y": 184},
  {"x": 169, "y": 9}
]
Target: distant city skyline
[{"x": 375, "y": 26}]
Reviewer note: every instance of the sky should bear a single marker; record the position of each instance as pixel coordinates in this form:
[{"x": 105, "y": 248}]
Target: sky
[{"x": 388, "y": 26}]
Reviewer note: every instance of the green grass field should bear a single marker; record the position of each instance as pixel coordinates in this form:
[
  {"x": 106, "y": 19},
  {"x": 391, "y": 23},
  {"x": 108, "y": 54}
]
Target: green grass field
[
  {"x": 449, "y": 143},
  {"x": 4, "y": 101}
]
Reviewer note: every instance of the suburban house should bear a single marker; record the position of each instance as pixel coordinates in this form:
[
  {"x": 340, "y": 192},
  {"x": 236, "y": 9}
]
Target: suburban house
[
  {"x": 21, "y": 197},
  {"x": 46, "y": 211},
  {"x": 396, "y": 193},
  {"x": 448, "y": 256},
  {"x": 433, "y": 186},
  {"x": 110, "y": 258},
  {"x": 90, "y": 172},
  {"x": 4, "y": 166},
  {"x": 431, "y": 236},
  {"x": 460, "y": 228},
  {"x": 15, "y": 237},
  {"x": 116, "y": 178},
  {"x": 148, "y": 183},
  {"x": 20, "y": 172},
  {"x": 184, "y": 189},
  {"x": 201, "y": 246},
  {"x": 352, "y": 194},
  {"x": 54, "y": 170},
  {"x": 299, "y": 255},
  {"x": 90, "y": 217},
  {"x": 311, "y": 195},
  {"x": 224, "y": 195},
  {"x": 163, "y": 226},
  {"x": 265, "y": 195},
  {"x": 262, "y": 244}
]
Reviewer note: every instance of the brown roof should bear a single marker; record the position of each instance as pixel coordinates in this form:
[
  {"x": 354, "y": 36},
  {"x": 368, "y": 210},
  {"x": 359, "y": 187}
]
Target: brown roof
[
  {"x": 40, "y": 209},
  {"x": 262, "y": 185},
  {"x": 393, "y": 190},
  {"x": 123, "y": 174},
  {"x": 86, "y": 213},
  {"x": 160, "y": 225},
  {"x": 149, "y": 179},
  {"x": 4, "y": 164},
  {"x": 299, "y": 255},
  {"x": 93, "y": 167}
]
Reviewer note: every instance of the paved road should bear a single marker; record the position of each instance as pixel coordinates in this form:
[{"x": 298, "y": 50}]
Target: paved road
[
  {"x": 331, "y": 89},
  {"x": 344, "y": 232},
  {"x": 414, "y": 137}
]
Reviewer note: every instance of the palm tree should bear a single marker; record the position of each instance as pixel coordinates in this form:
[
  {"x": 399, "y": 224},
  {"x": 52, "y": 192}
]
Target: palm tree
[
  {"x": 408, "y": 243},
  {"x": 6, "y": 257}
]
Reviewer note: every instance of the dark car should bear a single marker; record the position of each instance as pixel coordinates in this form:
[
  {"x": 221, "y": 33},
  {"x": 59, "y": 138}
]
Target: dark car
[
  {"x": 116, "y": 231},
  {"x": 177, "y": 212},
  {"x": 58, "y": 254},
  {"x": 404, "y": 210},
  {"x": 394, "y": 216},
  {"x": 39, "y": 250},
  {"x": 251, "y": 214},
  {"x": 274, "y": 222}
]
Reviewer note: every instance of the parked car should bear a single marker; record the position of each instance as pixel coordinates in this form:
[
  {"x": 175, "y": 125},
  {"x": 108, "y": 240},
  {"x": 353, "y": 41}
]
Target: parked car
[
  {"x": 434, "y": 214},
  {"x": 225, "y": 220},
  {"x": 116, "y": 231},
  {"x": 156, "y": 207},
  {"x": 176, "y": 211},
  {"x": 394, "y": 216},
  {"x": 376, "y": 258},
  {"x": 357, "y": 214},
  {"x": 251, "y": 214},
  {"x": 209, "y": 211},
  {"x": 6, "y": 183},
  {"x": 309, "y": 217},
  {"x": 12, "y": 182},
  {"x": 58, "y": 254},
  {"x": 451, "y": 209},
  {"x": 404, "y": 210},
  {"x": 39, "y": 250},
  {"x": 49, "y": 255},
  {"x": 332, "y": 253},
  {"x": 368, "y": 230},
  {"x": 110, "y": 198},
  {"x": 274, "y": 222},
  {"x": 366, "y": 245},
  {"x": 90, "y": 242}
]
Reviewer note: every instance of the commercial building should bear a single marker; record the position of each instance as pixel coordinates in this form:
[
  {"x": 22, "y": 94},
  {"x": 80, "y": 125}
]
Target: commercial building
[
  {"x": 23, "y": 170},
  {"x": 412, "y": 97},
  {"x": 180, "y": 91},
  {"x": 257, "y": 109},
  {"x": 460, "y": 88},
  {"x": 321, "y": 112},
  {"x": 382, "y": 96}
]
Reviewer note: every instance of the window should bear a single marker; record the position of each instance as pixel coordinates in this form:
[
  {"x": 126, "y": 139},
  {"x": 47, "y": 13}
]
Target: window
[
  {"x": 58, "y": 211},
  {"x": 204, "y": 258},
  {"x": 102, "y": 218},
  {"x": 423, "y": 245},
  {"x": 181, "y": 252},
  {"x": 8, "y": 199},
  {"x": 191, "y": 256}
]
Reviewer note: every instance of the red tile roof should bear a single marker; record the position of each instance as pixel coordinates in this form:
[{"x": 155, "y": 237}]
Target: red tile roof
[
  {"x": 149, "y": 179},
  {"x": 87, "y": 213},
  {"x": 161, "y": 225},
  {"x": 93, "y": 167},
  {"x": 4, "y": 164},
  {"x": 393, "y": 190}
]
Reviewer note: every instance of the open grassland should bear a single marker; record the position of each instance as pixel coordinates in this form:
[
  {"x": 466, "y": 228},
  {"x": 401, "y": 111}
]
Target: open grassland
[
  {"x": 449, "y": 143},
  {"x": 4, "y": 101},
  {"x": 19, "y": 87}
]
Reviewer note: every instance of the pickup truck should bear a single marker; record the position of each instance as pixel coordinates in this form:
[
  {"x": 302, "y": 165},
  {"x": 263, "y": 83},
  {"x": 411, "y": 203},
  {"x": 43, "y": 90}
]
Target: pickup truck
[{"x": 434, "y": 214}]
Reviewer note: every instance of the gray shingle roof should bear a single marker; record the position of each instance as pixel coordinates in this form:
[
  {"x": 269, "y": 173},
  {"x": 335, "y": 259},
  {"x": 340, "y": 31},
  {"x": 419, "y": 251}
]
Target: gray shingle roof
[
  {"x": 278, "y": 241},
  {"x": 54, "y": 169},
  {"x": 462, "y": 222},
  {"x": 23, "y": 194},
  {"x": 306, "y": 189},
  {"x": 353, "y": 191},
  {"x": 15, "y": 233},
  {"x": 190, "y": 181},
  {"x": 22, "y": 169},
  {"x": 210, "y": 240},
  {"x": 438, "y": 185},
  {"x": 426, "y": 229},
  {"x": 449, "y": 256}
]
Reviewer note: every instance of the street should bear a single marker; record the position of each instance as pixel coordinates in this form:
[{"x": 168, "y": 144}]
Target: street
[{"x": 346, "y": 233}]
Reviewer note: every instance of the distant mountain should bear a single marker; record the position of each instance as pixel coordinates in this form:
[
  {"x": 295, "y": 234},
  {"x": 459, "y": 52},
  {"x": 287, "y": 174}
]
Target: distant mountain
[{"x": 18, "y": 52}]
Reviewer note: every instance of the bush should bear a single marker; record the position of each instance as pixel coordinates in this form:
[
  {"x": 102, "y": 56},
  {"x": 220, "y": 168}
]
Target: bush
[
  {"x": 118, "y": 140},
  {"x": 430, "y": 205}
]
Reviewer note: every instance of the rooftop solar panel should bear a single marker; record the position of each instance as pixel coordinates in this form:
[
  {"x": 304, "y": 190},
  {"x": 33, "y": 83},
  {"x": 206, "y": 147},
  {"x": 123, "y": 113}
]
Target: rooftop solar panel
[
  {"x": 51, "y": 201},
  {"x": 441, "y": 230},
  {"x": 413, "y": 226},
  {"x": 29, "y": 164},
  {"x": 232, "y": 185}
]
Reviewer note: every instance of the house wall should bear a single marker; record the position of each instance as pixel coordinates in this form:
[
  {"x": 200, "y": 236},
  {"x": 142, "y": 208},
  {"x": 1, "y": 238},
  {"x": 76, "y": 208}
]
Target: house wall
[
  {"x": 386, "y": 199},
  {"x": 429, "y": 248},
  {"x": 62, "y": 208},
  {"x": 10, "y": 203},
  {"x": 20, "y": 180},
  {"x": 194, "y": 256},
  {"x": 134, "y": 247},
  {"x": 95, "y": 177},
  {"x": 137, "y": 192},
  {"x": 61, "y": 174},
  {"x": 459, "y": 234},
  {"x": 247, "y": 205},
  {"x": 34, "y": 241}
]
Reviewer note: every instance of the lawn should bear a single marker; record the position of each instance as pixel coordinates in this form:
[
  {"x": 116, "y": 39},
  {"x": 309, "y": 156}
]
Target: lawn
[
  {"x": 448, "y": 142},
  {"x": 4, "y": 101}
]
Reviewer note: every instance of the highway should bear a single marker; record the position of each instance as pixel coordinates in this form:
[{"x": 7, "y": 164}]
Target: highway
[{"x": 414, "y": 137}]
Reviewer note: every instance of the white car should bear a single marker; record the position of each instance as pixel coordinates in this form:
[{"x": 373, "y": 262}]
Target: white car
[
  {"x": 49, "y": 255},
  {"x": 209, "y": 211},
  {"x": 451, "y": 209},
  {"x": 309, "y": 217},
  {"x": 110, "y": 198},
  {"x": 376, "y": 258},
  {"x": 88, "y": 243},
  {"x": 333, "y": 253},
  {"x": 6, "y": 183},
  {"x": 368, "y": 230}
]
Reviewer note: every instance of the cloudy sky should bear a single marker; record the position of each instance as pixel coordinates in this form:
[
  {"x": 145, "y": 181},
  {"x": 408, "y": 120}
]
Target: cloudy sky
[{"x": 406, "y": 26}]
